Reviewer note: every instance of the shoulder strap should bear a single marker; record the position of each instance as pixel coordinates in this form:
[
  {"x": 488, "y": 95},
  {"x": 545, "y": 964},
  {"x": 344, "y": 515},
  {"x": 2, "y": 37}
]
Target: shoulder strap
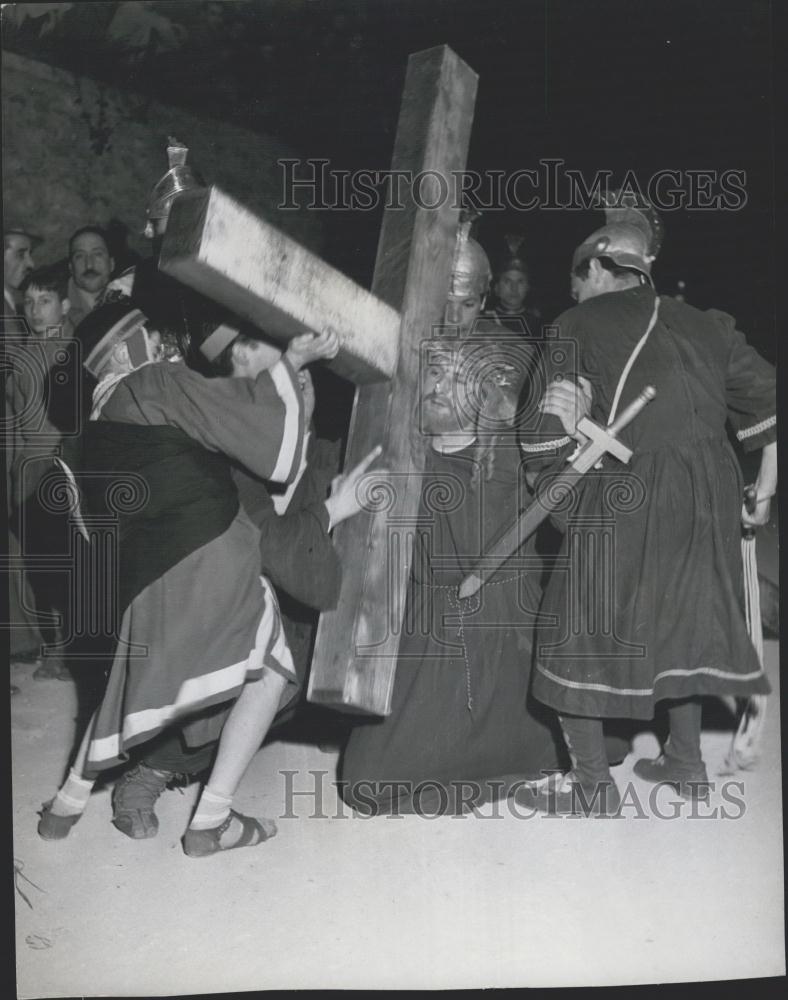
[{"x": 632, "y": 358}]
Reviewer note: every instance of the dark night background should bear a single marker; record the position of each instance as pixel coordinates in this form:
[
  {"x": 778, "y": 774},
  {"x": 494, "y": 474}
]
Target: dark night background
[{"x": 617, "y": 85}]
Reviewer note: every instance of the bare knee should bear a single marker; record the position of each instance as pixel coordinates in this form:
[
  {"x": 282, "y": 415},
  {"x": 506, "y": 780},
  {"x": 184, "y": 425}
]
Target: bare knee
[{"x": 269, "y": 684}]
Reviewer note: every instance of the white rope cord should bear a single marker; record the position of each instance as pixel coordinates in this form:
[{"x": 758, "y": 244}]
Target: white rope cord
[
  {"x": 632, "y": 358},
  {"x": 546, "y": 445},
  {"x": 764, "y": 425},
  {"x": 752, "y": 603}
]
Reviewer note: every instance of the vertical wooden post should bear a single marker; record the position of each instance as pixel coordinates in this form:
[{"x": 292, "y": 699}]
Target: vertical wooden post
[{"x": 356, "y": 645}]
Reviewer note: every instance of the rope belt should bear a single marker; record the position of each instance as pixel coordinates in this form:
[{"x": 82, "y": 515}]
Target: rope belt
[{"x": 465, "y": 606}]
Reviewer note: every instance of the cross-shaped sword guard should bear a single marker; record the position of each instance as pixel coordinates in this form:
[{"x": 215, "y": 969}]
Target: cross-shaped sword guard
[{"x": 601, "y": 441}]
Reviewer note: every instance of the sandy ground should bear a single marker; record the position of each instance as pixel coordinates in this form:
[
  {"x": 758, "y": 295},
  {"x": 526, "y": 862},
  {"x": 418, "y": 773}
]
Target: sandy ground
[{"x": 493, "y": 899}]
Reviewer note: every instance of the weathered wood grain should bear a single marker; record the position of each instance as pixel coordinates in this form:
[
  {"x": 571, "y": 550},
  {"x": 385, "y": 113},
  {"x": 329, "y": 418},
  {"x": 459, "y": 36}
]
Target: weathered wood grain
[
  {"x": 222, "y": 250},
  {"x": 356, "y": 645}
]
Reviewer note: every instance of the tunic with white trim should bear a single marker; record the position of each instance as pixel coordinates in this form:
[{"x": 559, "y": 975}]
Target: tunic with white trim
[
  {"x": 198, "y": 620},
  {"x": 648, "y": 594}
]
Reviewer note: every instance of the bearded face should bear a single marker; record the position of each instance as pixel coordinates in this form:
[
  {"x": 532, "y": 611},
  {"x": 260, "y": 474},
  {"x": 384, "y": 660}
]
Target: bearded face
[
  {"x": 440, "y": 404},
  {"x": 468, "y": 389}
]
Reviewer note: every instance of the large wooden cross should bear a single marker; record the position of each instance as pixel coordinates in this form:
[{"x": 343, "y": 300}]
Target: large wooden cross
[{"x": 216, "y": 246}]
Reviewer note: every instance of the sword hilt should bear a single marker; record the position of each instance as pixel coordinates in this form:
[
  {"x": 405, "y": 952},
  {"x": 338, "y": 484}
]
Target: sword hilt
[
  {"x": 629, "y": 413},
  {"x": 750, "y": 503}
]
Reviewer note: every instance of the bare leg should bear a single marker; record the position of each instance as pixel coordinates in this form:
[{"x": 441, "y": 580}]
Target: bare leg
[
  {"x": 73, "y": 795},
  {"x": 82, "y": 753},
  {"x": 243, "y": 732}
]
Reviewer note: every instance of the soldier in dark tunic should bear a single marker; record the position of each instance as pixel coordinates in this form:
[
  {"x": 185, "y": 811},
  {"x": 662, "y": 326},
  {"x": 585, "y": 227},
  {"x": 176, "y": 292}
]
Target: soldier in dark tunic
[{"x": 651, "y": 608}]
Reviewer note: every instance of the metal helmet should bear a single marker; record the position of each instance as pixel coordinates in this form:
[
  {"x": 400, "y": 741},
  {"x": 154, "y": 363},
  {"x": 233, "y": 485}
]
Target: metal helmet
[
  {"x": 512, "y": 260},
  {"x": 470, "y": 269},
  {"x": 631, "y": 238},
  {"x": 180, "y": 177}
]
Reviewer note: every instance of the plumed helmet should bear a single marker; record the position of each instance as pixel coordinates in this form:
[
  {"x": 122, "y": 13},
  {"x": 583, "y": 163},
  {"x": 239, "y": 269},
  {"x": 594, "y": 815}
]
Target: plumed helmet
[
  {"x": 470, "y": 269},
  {"x": 180, "y": 177},
  {"x": 632, "y": 237},
  {"x": 104, "y": 328},
  {"x": 512, "y": 259}
]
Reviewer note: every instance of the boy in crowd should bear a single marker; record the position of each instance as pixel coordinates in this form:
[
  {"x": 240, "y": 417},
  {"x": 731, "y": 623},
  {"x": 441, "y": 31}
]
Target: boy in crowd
[{"x": 42, "y": 401}]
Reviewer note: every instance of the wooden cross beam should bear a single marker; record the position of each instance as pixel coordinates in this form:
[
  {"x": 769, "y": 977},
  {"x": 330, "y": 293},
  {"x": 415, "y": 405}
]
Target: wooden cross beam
[
  {"x": 225, "y": 252},
  {"x": 221, "y": 249}
]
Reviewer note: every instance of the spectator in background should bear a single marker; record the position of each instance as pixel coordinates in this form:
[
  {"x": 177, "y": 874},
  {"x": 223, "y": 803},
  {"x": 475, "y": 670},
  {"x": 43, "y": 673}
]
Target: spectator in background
[
  {"x": 510, "y": 289},
  {"x": 42, "y": 398},
  {"x": 18, "y": 246},
  {"x": 91, "y": 266},
  {"x": 45, "y": 302}
]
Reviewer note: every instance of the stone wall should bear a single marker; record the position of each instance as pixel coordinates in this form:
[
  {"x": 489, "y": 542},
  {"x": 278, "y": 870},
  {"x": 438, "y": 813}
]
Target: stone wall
[{"x": 76, "y": 151}]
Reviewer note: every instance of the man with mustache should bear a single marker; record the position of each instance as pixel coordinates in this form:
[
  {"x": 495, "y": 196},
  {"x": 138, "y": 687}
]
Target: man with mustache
[{"x": 91, "y": 265}]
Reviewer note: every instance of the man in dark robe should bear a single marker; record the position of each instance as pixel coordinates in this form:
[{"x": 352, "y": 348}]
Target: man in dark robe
[
  {"x": 651, "y": 607},
  {"x": 462, "y": 728}
]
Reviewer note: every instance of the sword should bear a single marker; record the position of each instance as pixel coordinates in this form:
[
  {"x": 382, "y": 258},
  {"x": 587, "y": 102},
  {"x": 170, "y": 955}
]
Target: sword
[
  {"x": 75, "y": 507},
  {"x": 745, "y": 745},
  {"x": 601, "y": 441}
]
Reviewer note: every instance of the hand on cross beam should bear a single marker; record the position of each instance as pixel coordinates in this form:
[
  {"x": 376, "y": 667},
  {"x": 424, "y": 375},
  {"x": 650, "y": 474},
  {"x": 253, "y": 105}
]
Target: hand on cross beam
[{"x": 308, "y": 347}]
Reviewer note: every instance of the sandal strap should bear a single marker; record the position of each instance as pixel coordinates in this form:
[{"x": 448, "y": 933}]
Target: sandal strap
[{"x": 252, "y": 831}]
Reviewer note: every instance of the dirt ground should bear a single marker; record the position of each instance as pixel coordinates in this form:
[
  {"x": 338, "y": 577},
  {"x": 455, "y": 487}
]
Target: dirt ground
[{"x": 493, "y": 899}]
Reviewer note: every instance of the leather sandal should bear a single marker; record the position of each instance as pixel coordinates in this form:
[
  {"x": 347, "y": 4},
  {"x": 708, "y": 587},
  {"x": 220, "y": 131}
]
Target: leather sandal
[
  {"x": 201, "y": 843},
  {"x": 52, "y": 827}
]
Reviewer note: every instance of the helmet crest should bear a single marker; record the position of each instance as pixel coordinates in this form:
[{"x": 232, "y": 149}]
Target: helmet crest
[
  {"x": 179, "y": 178},
  {"x": 470, "y": 270},
  {"x": 632, "y": 237}
]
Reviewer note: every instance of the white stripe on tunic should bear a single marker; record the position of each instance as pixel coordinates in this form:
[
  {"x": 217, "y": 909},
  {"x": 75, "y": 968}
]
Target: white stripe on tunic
[
  {"x": 728, "y": 675},
  {"x": 282, "y": 500},
  {"x": 270, "y": 643},
  {"x": 289, "y": 394}
]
